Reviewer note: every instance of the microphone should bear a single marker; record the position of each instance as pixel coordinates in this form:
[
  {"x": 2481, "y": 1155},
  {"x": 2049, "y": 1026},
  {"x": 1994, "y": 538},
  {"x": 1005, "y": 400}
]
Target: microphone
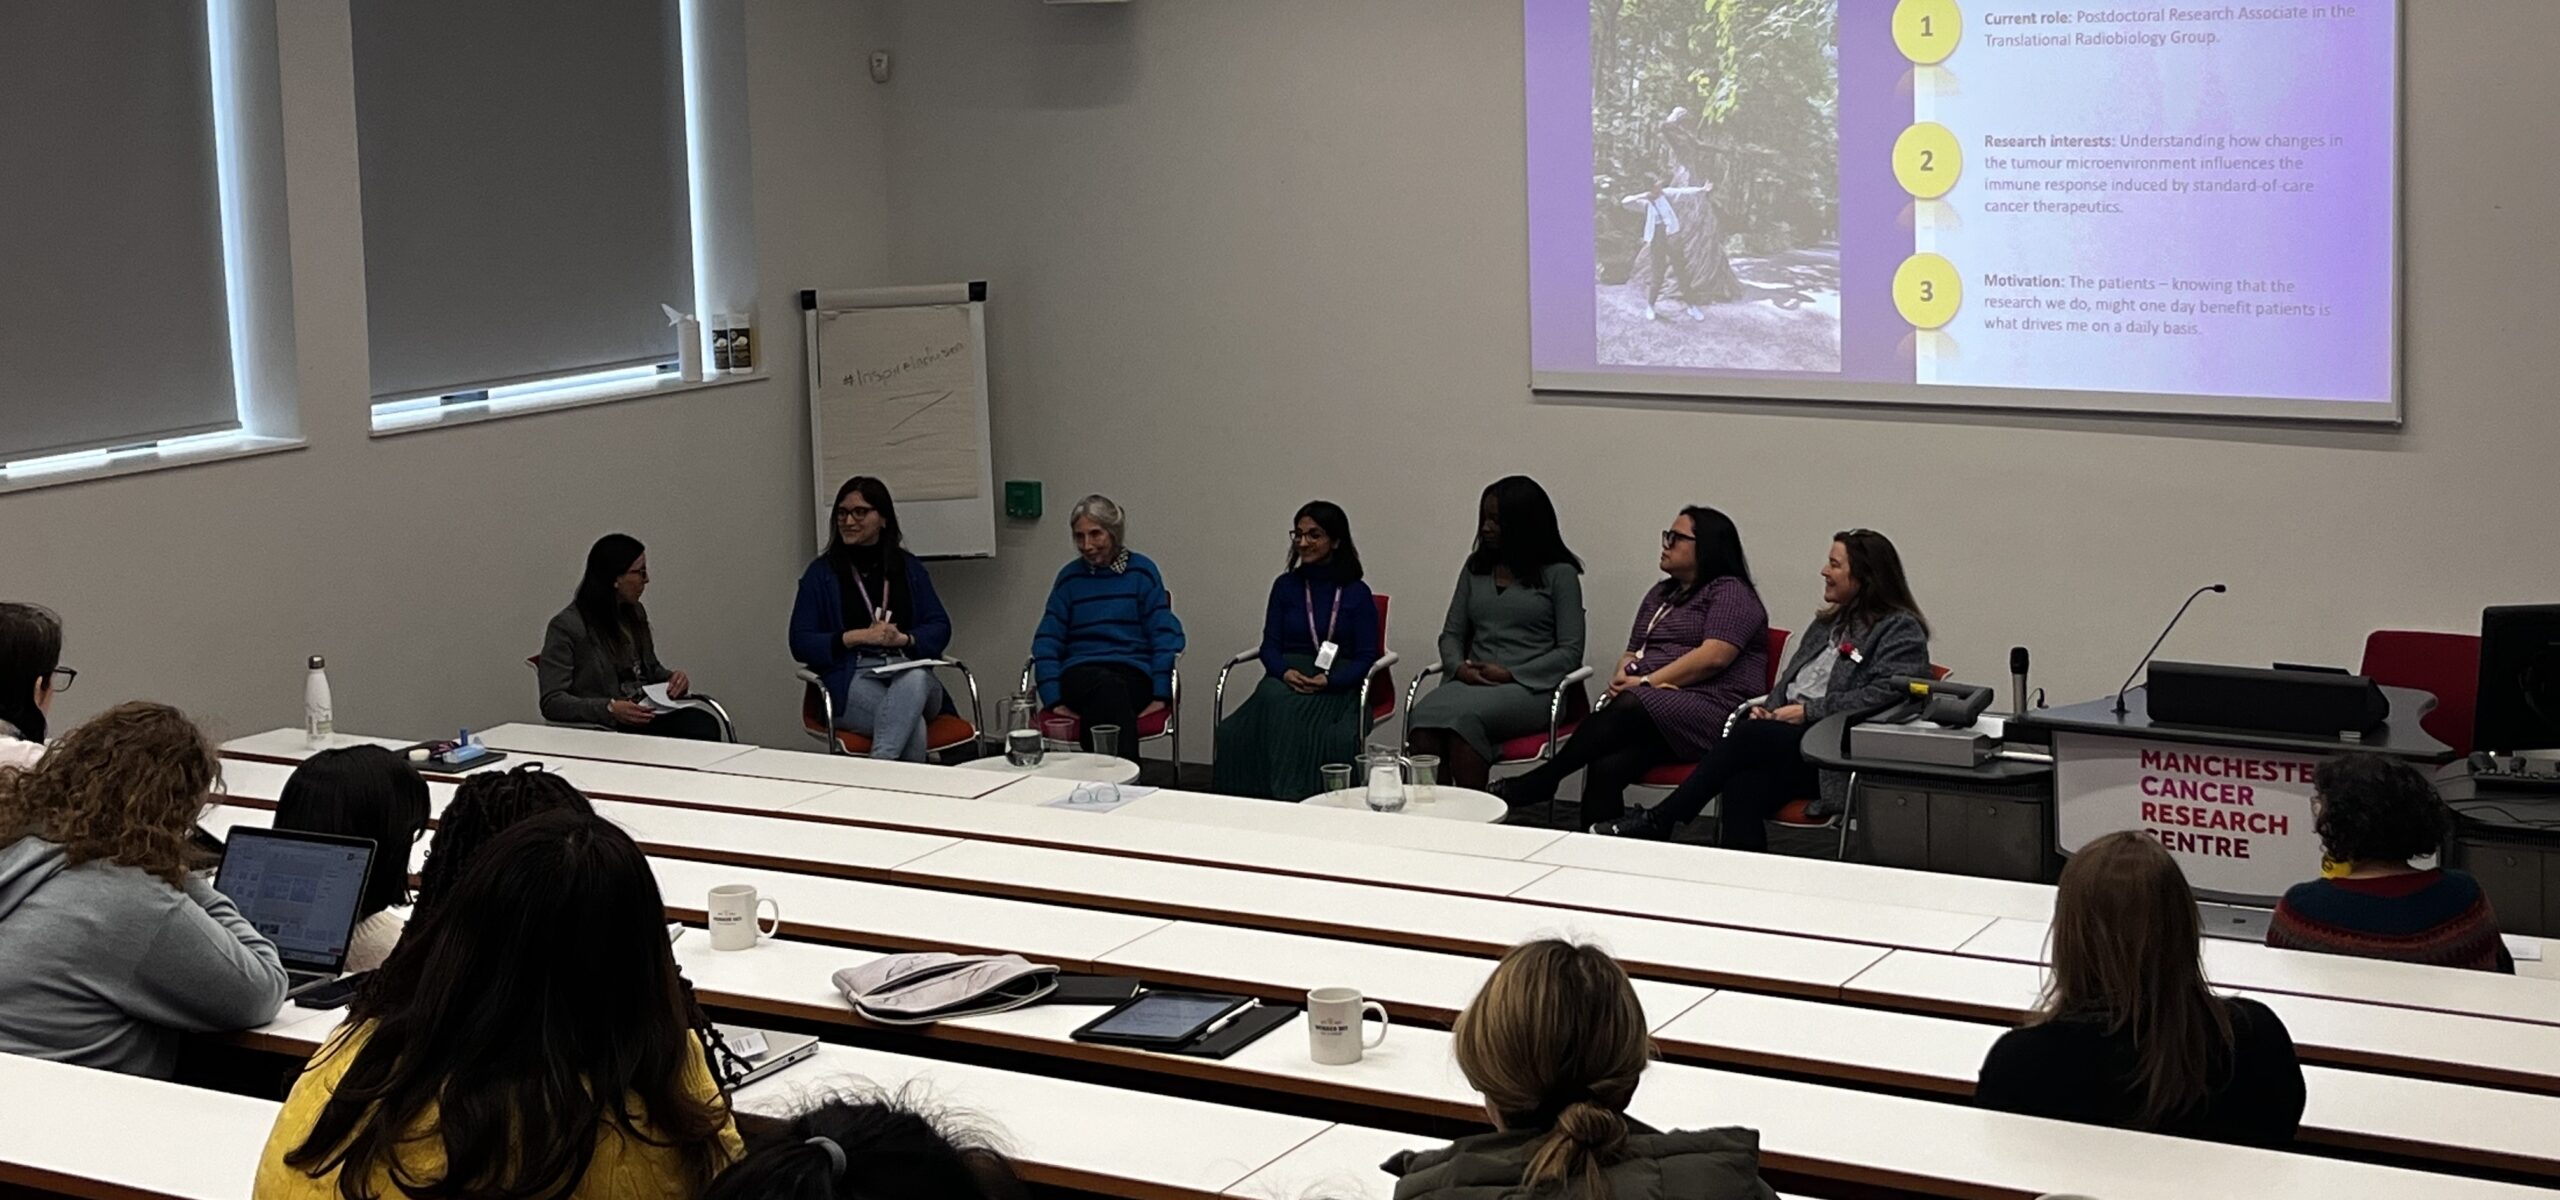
[
  {"x": 2018, "y": 680},
  {"x": 2155, "y": 644}
]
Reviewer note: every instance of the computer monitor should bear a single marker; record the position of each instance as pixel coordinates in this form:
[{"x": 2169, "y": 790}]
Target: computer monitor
[
  {"x": 2519, "y": 705},
  {"x": 300, "y": 889}
]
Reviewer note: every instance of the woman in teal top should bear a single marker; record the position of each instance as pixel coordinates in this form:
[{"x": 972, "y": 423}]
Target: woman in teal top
[{"x": 1514, "y": 632}]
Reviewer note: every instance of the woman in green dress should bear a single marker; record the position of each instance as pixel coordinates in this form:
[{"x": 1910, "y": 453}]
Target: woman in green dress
[
  {"x": 1319, "y": 638},
  {"x": 1514, "y": 632}
]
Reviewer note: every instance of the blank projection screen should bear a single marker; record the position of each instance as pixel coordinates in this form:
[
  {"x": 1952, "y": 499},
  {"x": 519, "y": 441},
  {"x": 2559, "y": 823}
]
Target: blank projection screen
[{"x": 2111, "y": 205}]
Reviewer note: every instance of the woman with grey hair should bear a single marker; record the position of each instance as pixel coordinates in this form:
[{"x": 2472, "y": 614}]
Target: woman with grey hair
[{"x": 1106, "y": 645}]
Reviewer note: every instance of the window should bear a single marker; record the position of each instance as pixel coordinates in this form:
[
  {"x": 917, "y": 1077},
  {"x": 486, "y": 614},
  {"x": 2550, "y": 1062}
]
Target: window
[
  {"x": 526, "y": 204},
  {"x": 115, "y": 319}
]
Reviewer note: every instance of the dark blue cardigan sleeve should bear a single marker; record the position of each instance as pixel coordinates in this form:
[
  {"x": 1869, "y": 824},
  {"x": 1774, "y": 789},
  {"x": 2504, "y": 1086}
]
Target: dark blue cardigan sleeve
[
  {"x": 817, "y": 620},
  {"x": 929, "y": 625},
  {"x": 1275, "y": 624}
]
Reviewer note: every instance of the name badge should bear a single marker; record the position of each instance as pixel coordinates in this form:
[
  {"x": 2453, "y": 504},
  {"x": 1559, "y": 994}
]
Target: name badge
[{"x": 1324, "y": 656}]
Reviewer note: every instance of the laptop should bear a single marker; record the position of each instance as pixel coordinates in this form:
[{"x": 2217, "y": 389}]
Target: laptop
[
  {"x": 302, "y": 891},
  {"x": 760, "y": 1053}
]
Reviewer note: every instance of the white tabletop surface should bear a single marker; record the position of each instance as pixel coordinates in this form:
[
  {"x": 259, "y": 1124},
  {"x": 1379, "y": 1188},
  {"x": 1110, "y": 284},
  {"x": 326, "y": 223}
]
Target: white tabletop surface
[
  {"x": 845, "y": 770},
  {"x": 676, "y": 785},
  {"x": 288, "y": 743},
  {"x": 1111, "y": 1133},
  {"x": 1342, "y": 1163},
  {"x": 1447, "y": 803},
  {"x": 1307, "y": 820},
  {"x": 2260, "y": 967},
  {"x": 635, "y": 748},
  {"x": 1809, "y": 876},
  {"x": 1876, "y": 919},
  {"x": 161, "y": 1138},
  {"x": 1484, "y": 924},
  {"x": 1062, "y": 764},
  {"x": 913, "y": 914}
]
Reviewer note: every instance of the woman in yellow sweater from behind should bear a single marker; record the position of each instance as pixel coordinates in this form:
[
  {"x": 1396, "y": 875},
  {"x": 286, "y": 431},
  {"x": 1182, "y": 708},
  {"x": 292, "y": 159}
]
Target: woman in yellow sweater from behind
[{"x": 529, "y": 1040}]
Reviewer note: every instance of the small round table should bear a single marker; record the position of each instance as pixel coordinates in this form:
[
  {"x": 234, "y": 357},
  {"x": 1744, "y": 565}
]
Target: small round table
[
  {"x": 1064, "y": 764},
  {"x": 1449, "y": 804}
]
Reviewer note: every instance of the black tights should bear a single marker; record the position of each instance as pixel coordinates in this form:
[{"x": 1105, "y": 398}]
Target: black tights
[
  {"x": 1616, "y": 746},
  {"x": 1757, "y": 768}
]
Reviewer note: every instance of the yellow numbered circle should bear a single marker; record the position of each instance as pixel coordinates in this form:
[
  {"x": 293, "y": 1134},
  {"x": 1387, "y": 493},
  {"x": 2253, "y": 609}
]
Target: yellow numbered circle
[
  {"x": 1927, "y": 291},
  {"x": 1927, "y": 160},
  {"x": 1926, "y": 30}
]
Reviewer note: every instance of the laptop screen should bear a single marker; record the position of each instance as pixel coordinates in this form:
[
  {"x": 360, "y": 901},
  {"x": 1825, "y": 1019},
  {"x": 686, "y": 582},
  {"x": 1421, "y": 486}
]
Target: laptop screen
[{"x": 301, "y": 889}]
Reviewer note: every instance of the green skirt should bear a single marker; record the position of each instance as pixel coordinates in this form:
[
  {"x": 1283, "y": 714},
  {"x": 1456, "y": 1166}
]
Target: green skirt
[{"x": 1273, "y": 745}]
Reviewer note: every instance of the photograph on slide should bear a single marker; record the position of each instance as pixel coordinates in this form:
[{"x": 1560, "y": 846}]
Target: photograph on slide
[{"x": 1715, "y": 147}]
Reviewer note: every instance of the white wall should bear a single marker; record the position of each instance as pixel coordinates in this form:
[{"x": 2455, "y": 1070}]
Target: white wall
[
  {"x": 1246, "y": 252},
  {"x": 424, "y": 566}
]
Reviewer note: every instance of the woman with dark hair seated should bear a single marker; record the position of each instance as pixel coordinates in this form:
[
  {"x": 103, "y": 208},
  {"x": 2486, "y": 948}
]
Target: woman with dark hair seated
[
  {"x": 1868, "y": 634},
  {"x": 530, "y": 1040},
  {"x": 1513, "y": 632},
  {"x": 2374, "y": 815},
  {"x": 2128, "y": 1034},
  {"x": 374, "y": 794},
  {"x": 598, "y": 654},
  {"x": 1306, "y": 711},
  {"x": 1699, "y": 647},
  {"x": 31, "y": 671},
  {"x": 486, "y": 805},
  {"x": 1555, "y": 1043},
  {"x": 869, "y": 1148},
  {"x": 865, "y": 607}
]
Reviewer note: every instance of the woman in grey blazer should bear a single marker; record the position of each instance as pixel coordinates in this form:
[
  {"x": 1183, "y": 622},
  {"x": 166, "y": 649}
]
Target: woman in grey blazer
[
  {"x": 597, "y": 654},
  {"x": 1868, "y": 633}
]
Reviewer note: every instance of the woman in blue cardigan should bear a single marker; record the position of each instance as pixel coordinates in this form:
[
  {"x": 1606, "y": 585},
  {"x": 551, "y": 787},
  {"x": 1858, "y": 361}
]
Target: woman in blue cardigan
[
  {"x": 1306, "y": 712},
  {"x": 866, "y": 603}
]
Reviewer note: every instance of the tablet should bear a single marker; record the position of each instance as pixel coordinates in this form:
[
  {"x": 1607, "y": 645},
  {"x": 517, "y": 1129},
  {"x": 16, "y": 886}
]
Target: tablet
[{"x": 1160, "y": 1018}]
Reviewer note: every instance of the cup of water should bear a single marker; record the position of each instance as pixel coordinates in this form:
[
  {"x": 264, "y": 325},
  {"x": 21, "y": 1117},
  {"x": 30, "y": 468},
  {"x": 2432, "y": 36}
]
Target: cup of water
[
  {"x": 1022, "y": 747},
  {"x": 1336, "y": 777},
  {"x": 1386, "y": 786},
  {"x": 1422, "y": 775}
]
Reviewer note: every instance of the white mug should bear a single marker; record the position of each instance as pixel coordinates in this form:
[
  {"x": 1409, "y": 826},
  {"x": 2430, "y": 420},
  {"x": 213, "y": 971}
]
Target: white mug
[
  {"x": 734, "y": 909},
  {"x": 1335, "y": 1017}
]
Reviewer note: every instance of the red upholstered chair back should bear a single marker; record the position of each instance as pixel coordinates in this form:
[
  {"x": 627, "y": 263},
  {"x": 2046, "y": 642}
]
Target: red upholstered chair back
[{"x": 2446, "y": 664}]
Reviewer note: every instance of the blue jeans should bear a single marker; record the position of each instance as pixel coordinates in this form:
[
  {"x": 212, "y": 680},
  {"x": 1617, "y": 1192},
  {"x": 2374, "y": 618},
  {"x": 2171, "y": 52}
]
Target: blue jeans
[{"x": 890, "y": 709}]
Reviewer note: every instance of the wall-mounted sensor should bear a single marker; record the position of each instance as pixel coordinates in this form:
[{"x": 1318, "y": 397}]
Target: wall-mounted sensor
[{"x": 879, "y": 66}]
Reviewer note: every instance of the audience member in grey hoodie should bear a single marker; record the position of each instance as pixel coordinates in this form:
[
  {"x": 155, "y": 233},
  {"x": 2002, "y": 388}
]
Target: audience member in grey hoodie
[
  {"x": 1555, "y": 1043},
  {"x": 114, "y": 948}
]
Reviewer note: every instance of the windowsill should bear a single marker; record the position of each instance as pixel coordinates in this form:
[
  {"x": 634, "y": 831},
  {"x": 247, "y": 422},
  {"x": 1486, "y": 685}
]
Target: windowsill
[
  {"x": 109, "y": 466},
  {"x": 477, "y": 411}
]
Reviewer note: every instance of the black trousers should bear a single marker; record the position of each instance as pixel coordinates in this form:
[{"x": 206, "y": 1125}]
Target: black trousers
[
  {"x": 1757, "y": 768},
  {"x": 1668, "y": 257},
  {"x": 1107, "y": 694},
  {"x": 1614, "y": 747},
  {"x": 692, "y": 724}
]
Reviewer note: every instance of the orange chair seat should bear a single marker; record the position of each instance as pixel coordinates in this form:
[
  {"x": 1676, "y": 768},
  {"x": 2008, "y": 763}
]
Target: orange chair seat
[
  {"x": 1793, "y": 813},
  {"x": 1669, "y": 775},
  {"x": 1149, "y": 724},
  {"x": 940, "y": 733}
]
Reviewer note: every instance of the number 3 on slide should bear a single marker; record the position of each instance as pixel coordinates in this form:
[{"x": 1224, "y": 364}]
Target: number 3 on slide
[
  {"x": 1926, "y": 31},
  {"x": 1927, "y": 291}
]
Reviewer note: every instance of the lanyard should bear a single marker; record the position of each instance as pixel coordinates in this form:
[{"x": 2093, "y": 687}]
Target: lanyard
[
  {"x": 864, "y": 588},
  {"x": 1644, "y": 641},
  {"x": 1329, "y": 622}
]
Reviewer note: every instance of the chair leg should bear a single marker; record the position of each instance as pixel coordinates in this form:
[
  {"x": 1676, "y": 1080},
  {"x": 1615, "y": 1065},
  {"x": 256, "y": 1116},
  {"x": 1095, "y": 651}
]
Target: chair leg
[{"x": 1848, "y": 813}]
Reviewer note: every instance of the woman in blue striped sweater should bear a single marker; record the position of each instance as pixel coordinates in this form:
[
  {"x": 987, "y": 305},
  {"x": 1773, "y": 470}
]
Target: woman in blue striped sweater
[
  {"x": 2376, "y": 817},
  {"x": 1106, "y": 646}
]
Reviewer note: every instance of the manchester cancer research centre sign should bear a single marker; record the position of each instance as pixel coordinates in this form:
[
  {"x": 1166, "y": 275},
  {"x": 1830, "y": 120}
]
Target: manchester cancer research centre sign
[{"x": 2237, "y": 820}]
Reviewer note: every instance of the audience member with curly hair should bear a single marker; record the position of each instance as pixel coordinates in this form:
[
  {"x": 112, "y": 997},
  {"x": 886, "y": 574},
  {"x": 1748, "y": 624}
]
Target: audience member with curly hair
[
  {"x": 114, "y": 947},
  {"x": 486, "y": 805},
  {"x": 854, "y": 1147},
  {"x": 2375, "y": 815}
]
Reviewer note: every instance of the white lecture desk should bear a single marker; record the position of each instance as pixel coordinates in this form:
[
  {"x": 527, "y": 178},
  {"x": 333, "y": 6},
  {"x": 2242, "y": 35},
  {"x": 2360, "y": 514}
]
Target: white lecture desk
[
  {"x": 1977, "y": 988},
  {"x": 524, "y": 739},
  {"x": 105, "y": 1136},
  {"x": 1930, "y": 1146}
]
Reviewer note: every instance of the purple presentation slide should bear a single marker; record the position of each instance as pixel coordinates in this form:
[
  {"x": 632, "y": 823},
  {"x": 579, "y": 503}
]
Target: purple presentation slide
[{"x": 2112, "y": 205}]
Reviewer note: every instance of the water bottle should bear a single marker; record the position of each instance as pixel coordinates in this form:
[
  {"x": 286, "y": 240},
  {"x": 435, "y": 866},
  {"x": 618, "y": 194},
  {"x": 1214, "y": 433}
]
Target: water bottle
[
  {"x": 317, "y": 722},
  {"x": 1386, "y": 785}
]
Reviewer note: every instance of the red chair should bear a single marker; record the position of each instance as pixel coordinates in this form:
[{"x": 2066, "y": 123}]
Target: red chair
[
  {"x": 1672, "y": 774},
  {"x": 943, "y": 731},
  {"x": 1377, "y": 694},
  {"x": 1151, "y": 726},
  {"x": 2445, "y": 664},
  {"x": 1567, "y": 704}
]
